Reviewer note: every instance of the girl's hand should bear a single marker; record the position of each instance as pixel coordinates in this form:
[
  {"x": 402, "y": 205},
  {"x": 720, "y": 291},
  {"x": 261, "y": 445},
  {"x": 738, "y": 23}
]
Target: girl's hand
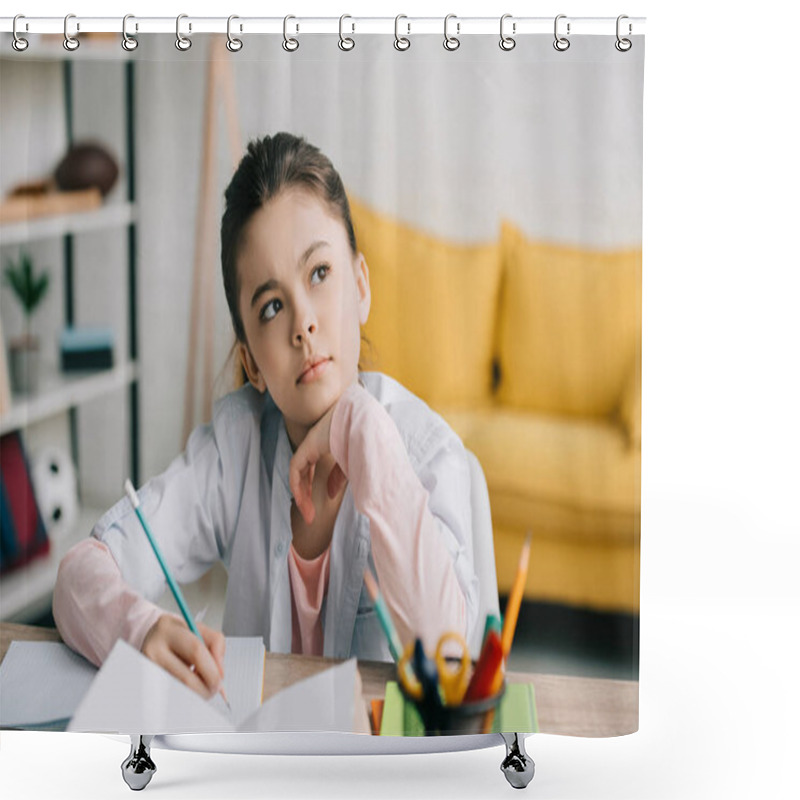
[
  {"x": 315, "y": 446},
  {"x": 171, "y": 645}
]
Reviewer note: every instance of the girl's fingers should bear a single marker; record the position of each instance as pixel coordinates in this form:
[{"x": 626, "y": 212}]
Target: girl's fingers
[
  {"x": 301, "y": 479},
  {"x": 215, "y": 641},
  {"x": 183, "y": 672},
  {"x": 192, "y": 651},
  {"x": 336, "y": 480}
]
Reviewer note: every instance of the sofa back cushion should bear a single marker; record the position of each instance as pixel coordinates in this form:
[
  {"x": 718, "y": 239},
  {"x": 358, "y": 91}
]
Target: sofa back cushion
[
  {"x": 569, "y": 326},
  {"x": 434, "y": 307}
]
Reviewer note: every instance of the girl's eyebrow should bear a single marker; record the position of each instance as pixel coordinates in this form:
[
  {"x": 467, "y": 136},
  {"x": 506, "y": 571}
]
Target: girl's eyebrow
[{"x": 271, "y": 284}]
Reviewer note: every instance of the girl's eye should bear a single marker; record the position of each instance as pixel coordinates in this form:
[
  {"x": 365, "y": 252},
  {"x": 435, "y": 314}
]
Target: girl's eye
[
  {"x": 270, "y": 309},
  {"x": 319, "y": 273}
]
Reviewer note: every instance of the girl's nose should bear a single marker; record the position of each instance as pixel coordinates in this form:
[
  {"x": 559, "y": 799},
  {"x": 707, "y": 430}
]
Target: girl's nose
[{"x": 307, "y": 329}]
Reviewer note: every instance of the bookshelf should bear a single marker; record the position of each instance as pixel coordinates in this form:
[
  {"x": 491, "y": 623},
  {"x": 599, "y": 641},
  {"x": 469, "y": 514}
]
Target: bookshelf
[{"x": 26, "y": 592}]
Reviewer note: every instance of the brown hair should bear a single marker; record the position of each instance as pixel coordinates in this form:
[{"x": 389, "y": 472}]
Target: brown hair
[{"x": 270, "y": 165}]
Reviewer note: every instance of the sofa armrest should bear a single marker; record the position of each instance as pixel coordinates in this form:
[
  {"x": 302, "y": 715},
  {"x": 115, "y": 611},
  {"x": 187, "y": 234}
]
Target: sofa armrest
[{"x": 630, "y": 407}]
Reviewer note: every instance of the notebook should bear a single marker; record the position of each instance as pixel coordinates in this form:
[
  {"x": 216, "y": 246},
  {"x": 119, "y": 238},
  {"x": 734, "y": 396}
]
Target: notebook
[{"x": 133, "y": 695}]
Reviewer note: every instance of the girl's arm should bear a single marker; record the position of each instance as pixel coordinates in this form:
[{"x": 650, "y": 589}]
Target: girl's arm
[
  {"x": 108, "y": 584},
  {"x": 414, "y": 549},
  {"x": 93, "y": 606}
]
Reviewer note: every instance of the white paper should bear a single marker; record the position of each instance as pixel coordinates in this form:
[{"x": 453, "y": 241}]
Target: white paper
[
  {"x": 133, "y": 695},
  {"x": 324, "y": 702},
  {"x": 42, "y": 683}
]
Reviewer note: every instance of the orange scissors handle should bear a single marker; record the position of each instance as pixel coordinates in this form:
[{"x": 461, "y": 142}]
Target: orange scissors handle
[{"x": 454, "y": 682}]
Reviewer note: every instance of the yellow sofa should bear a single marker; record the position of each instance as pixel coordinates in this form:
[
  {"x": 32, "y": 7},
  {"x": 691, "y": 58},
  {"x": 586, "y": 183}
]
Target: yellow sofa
[{"x": 532, "y": 352}]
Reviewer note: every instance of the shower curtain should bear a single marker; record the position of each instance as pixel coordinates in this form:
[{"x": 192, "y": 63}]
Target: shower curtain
[{"x": 488, "y": 443}]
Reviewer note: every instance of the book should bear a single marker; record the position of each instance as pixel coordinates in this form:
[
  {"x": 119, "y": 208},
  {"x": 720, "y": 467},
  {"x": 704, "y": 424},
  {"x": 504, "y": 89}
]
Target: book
[
  {"x": 22, "y": 532},
  {"x": 41, "y": 685},
  {"x": 516, "y": 712}
]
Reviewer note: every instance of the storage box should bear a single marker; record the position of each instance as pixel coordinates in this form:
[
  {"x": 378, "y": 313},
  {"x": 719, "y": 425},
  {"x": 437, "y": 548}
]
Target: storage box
[{"x": 86, "y": 349}]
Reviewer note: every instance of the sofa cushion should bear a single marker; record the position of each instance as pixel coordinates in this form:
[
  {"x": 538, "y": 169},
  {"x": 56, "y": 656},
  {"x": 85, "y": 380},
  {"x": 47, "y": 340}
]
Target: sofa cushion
[
  {"x": 434, "y": 307},
  {"x": 562, "y": 476},
  {"x": 570, "y": 322},
  {"x": 630, "y": 409}
]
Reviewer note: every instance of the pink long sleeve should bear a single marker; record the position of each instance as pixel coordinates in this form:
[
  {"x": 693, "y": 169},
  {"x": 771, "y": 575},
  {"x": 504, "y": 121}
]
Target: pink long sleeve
[
  {"x": 415, "y": 570},
  {"x": 93, "y": 606}
]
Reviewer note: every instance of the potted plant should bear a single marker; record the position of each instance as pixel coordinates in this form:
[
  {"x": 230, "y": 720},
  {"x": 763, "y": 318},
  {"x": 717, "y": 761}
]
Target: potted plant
[{"x": 23, "y": 351}]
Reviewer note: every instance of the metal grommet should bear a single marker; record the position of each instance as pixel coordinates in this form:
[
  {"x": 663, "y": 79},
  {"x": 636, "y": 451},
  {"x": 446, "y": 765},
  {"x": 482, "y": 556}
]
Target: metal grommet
[
  {"x": 400, "y": 42},
  {"x": 129, "y": 43},
  {"x": 561, "y": 43},
  {"x": 70, "y": 42},
  {"x": 623, "y": 45},
  {"x": 18, "y": 43},
  {"x": 345, "y": 42},
  {"x": 182, "y": 42},
  {"x": 233, "y": 44},
  {"x": 289, "y": 44},
  {"x": 451, "y": 42},
  {"x": 507, "y": 42}
]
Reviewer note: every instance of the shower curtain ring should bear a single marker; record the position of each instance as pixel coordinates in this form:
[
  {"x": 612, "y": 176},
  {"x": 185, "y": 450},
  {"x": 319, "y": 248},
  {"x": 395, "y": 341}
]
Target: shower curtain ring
[
  {"x": 129, "y": 43},
  {"x": 400, "y": 42},
  {"x": 561, "y": 43},
  {"x": 507, "y": 42},
  {"x": 289, "y": 44},
  {"x": 18, "y": 43},
  {"x": 623, "y": 45},
  {"x": 70, "y": 42},
  {"x": 233, "y": 44},
  {"x": 181, "y": 41},
  {"x": 451, "y": 42},
  {"x": 346, "y": 42}
]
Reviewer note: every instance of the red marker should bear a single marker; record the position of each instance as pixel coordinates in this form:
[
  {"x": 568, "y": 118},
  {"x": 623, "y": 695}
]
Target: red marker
[{"x": 490, "y": 661}]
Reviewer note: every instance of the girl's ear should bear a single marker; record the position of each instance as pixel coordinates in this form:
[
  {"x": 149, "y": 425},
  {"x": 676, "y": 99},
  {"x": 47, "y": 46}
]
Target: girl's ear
[
  {"x": 362, "y": 285},
  {"x": 251, "y": 368}
]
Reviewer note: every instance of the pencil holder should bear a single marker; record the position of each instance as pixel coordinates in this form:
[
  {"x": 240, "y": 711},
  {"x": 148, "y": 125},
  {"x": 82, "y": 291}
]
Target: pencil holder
[{"x": 466, "y": 718}]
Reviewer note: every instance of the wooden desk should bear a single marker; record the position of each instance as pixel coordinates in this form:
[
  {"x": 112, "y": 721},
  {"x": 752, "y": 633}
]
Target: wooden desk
[{"x": 564, "y": 704}]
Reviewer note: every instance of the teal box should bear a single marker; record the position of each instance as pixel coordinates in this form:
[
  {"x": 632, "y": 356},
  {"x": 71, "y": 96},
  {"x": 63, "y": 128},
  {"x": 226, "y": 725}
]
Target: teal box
[{"x": 86, "y": 348}]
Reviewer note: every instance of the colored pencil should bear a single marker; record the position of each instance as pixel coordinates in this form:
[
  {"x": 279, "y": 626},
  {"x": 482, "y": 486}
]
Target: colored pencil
[
  {"x": 174, "y": 588},
  {"x": 384, "y": 617},
  {"x": 512, "y": 609},
  {"x": 515, "y": 598}
]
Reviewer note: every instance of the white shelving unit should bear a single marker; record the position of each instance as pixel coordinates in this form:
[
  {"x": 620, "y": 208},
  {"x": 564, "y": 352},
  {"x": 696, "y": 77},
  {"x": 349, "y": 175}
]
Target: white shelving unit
[
  {"x": 114, "y": 215},
  {"x": 26, "y": 592},
  {"x": 61, "y": 391}
]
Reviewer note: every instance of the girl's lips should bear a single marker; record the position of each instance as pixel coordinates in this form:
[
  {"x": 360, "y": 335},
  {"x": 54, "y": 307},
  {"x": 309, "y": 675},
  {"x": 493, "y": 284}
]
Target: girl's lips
[{"x": 315, "y": 372}]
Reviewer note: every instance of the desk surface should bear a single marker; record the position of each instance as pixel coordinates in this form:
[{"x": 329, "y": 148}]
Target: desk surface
[{"x": 565, "y": 705}]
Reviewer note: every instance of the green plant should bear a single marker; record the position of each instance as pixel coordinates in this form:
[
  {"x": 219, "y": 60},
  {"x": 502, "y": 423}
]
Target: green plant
[{"x": 29, "y": 289}]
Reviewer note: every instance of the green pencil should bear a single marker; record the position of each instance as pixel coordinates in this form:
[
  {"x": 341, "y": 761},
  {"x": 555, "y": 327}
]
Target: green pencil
[
  {"x": 384, "y": 617},
  {"x": 174, "y": 588}
]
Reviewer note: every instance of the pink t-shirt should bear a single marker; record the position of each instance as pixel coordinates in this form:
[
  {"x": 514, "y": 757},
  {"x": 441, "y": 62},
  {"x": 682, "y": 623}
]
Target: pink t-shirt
[{"x": 309, "y": 582}]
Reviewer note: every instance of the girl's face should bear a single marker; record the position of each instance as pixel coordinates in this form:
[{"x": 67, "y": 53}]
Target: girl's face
[{"x": 303, "y": 298}]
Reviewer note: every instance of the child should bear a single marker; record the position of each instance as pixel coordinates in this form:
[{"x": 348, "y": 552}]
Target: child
[{"x": 305, "y": 476}]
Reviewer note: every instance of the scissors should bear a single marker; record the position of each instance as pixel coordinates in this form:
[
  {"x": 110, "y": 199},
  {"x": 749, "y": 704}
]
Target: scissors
[
  {"x": 454, "y": 682},
  {"x": 422, "y": 678},
  {"x": 407, "y": 674}
]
